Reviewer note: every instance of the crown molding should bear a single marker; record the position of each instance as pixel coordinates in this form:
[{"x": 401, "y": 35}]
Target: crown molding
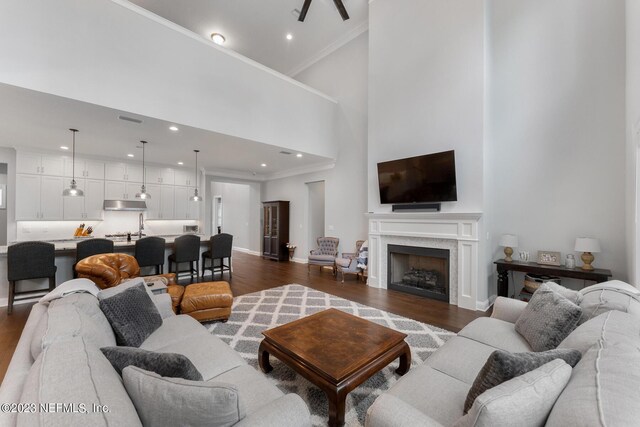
[
  {"x": 360, "y": 29},
  {"x": 300, "y": 171},
  {"x": 175, "y": 27}
]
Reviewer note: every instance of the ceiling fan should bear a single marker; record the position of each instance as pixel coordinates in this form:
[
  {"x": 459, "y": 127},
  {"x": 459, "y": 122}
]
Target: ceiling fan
[{"x": 338, "y": 3}]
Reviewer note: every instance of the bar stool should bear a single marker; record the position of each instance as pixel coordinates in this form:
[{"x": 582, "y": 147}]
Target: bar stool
[
  {"x": 220, "y": 247},
  {"x": 186, "y": 248},
  {"x": 30, "y": 260},
  {"x": 89, "y": 247},
  {"x": 149, "y": 252}
]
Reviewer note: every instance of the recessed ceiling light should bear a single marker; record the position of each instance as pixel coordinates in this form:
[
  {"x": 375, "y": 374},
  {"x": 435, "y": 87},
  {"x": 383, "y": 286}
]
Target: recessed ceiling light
[
  {"x": 130, "y": 155},
  {"x": 181, "y": 163},
  {"x": 299, "y": 155},
  {"x": 289, "y": 36},
  {"x": 174, "y": 128},
  {"x": 218, "y": 38},
  {"x": 64, "y": 147},
  {"x": 264, "y": 165}
]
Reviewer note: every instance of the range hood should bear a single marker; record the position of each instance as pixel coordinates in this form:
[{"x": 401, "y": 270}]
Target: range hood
[{"x": 125, "y": 205}]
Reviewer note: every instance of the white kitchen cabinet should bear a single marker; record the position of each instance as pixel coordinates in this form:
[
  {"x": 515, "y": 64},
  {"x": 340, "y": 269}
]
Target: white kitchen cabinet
[
  {"x": 89, "y": 207},
  {"x": 184, "y": 177},
  {"x": 39, "y": 164},
  {"x": 27, "y": 197},
  {"x": 167, "y": 201},
  {"x": 123, "y": 172},
  {"x": 158, "y": 175},
  {"x": 114, "y": 190},
  {"x": 39, "y": 197},
  {"x": 85, "y": 168},
  {"x": 181, "y": 203},
  {"x": 131, "y": 189},
  {"x": 153, "y": 204}
]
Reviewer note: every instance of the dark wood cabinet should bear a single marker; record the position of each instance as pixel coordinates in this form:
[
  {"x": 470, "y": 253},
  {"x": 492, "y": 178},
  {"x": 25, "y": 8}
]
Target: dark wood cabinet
[{"x": 275, "y": 230}]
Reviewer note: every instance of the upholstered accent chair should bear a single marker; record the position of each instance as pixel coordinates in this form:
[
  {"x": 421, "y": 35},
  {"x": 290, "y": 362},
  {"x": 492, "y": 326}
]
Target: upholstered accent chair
[
  {"x": 325, "y": 255},
  {"x": 348, "y": 263},
  {"x": 108, "y": 270}
]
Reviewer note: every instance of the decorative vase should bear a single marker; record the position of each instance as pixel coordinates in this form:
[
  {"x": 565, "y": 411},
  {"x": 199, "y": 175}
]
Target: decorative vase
[{"x": 571, "y": 261}]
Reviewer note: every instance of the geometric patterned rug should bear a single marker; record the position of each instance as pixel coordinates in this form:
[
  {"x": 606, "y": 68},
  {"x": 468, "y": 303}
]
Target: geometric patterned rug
[{"x": 254, "y": 313}]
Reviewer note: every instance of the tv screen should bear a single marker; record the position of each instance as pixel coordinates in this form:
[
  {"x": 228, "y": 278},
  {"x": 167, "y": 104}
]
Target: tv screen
[{"x": 420, "y": 179}]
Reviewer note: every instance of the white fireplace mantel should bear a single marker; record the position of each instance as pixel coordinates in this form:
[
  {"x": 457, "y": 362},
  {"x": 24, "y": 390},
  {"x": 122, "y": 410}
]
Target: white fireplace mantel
[{"x": 458, "y": 232}]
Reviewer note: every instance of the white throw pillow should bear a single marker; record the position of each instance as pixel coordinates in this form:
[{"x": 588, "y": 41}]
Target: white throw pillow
[{"x": 526, "y": 400}]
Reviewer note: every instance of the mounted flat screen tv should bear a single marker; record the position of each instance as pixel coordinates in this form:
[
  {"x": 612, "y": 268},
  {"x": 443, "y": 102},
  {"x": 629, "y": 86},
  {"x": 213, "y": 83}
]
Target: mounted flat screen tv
[{"x": 422, "y": 179}]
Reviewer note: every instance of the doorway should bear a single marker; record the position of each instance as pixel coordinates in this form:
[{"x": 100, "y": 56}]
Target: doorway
[
  {"x": 315, "y": 212},
  {"x": 216, "y": 226}
]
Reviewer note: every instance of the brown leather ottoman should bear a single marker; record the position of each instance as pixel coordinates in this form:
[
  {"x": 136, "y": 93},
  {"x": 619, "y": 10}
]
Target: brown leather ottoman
[{"x": 207, "y": 301}]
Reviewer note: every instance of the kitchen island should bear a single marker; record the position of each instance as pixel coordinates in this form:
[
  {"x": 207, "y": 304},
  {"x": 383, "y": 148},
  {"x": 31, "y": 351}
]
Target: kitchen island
[{"x": 66, "y": 258}]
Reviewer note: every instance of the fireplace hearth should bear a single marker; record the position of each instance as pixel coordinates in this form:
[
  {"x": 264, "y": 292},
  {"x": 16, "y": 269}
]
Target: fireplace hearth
[{"x": 419, "y": 271}]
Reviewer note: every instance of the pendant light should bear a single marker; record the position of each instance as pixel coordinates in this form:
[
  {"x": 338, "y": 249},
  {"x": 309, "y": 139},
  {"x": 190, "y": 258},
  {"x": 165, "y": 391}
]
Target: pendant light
[
  {"x": 196, "y": 197},
  {"x": 73, "y": 190},
  {"x": 143, "y": 190}
]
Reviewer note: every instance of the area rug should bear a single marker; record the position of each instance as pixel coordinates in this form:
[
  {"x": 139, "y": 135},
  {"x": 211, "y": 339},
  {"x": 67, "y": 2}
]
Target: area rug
[{"x": 254, "y": 313}]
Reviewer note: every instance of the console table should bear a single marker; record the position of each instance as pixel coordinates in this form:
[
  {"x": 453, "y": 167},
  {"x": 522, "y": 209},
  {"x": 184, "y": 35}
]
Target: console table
[{"x": 598, "y": 275}]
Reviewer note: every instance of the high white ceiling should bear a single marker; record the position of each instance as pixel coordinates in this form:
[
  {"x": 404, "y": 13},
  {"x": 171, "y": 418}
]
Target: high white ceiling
[
  {"x": 30, "y": 119},
  {"x": 257, "y": 28}
]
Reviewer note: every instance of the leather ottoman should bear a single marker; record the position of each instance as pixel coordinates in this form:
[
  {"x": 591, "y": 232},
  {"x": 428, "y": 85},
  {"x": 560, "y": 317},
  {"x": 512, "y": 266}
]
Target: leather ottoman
[{"x": 207, "y": 301}]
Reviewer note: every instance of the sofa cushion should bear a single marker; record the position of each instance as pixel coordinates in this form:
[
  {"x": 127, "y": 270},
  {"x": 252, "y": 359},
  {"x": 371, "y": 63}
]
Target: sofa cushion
[
  {"x": 328, "y": 259},
  {"x": 256, "y": 390},
  {"x": 461, "y": 358},
  {"x": 173, "y": 329},
  {"x": 172, "y": 365},
  {"x": 162, "y": 401},
  {"x": 525, "y": 400},
  {"x": 432, "y": 392},
  {"x": 74, "y": 371},
  {"x": 603, "y": 390},
  {"x": 132, "y": 315},
  {"x": 75, "y": 315},
  {"x": 614, "y": 326},
  {"x": 496, "y": 333},
  {"x": 502, "y": 366},
  {"x": 547, "y": 319},
  {"x": 611, "y": 295}
]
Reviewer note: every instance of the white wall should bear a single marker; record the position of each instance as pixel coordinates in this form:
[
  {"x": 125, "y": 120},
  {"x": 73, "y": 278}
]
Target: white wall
[
  {"x": 316, "y": 210},
  {"x": 115, "y": 54},
  {"x": 633, "y": 139},
  {"x": 426, "y": 89},
  {"x": 342, "y": 75},
  {"x": 555, "y": 139},
  {"x": 236, "y": 212}
]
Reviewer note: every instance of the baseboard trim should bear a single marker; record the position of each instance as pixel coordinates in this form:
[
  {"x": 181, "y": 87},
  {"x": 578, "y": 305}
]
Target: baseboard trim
[
  {"x": 246, "y": 251},
  {"x": 4, "y": 302},
  {"x": 300, "y": 260},
  {"x": 486, "y": 304}
]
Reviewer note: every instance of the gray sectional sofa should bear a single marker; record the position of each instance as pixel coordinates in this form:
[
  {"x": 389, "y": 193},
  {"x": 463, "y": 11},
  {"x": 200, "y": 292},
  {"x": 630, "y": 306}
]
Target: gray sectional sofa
[
  {"x": 603, "y": 390},
  {"x": 58, "y": 361}
]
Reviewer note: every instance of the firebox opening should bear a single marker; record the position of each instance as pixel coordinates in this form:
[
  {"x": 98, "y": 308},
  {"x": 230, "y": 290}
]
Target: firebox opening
[{"x": 419, "y": 271}]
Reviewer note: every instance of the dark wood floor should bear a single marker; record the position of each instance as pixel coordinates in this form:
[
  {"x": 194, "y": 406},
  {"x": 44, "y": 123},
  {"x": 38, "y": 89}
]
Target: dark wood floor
[{"x": 253, "y": 274}]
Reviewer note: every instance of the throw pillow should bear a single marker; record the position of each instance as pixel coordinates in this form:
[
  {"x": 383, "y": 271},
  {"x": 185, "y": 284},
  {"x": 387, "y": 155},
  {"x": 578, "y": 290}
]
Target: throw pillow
[
  {"x": 162, "y": 401},
  {"x": 573, "y": 296},
  {"x": 132, "y": 315},
  {"x": 127, "y": 284},
  {"x": 526, "y": 400},
  {"x": 172, "y": 365},
  {"x": 547, "y": 319},
  {"x": 501, "y": 366}
]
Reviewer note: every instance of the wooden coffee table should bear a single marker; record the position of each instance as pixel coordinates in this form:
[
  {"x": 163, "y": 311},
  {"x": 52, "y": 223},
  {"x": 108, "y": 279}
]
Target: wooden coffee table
[{"x": 335, "y": 351}]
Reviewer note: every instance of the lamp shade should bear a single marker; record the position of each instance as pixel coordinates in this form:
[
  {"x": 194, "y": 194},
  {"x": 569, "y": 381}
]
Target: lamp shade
[
  {"x": 509, "y": 241},
  {"x": 587, "y": 244}
]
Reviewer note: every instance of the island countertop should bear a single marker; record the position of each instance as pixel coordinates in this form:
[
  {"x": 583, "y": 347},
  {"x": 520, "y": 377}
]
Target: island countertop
[{"x": 67, "y": 246}]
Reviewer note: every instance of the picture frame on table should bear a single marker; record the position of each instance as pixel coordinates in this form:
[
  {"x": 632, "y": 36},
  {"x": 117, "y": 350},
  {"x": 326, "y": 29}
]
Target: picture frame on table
[{"x": 549, "y": 258}]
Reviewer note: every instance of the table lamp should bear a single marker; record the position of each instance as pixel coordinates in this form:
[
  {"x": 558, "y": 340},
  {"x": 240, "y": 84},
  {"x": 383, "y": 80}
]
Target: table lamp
[
  {"x": 588, "y": 246},
  {"x": 508, "y": 241}
]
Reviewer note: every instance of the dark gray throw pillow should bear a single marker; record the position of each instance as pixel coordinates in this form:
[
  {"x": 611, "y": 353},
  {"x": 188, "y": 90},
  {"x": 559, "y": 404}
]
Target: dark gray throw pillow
[
  {"x": 547, "y": 319},
  {"x": 172, "y": 365},
  {"x": 132, "y": 315},
  {"x": 502, "y": 366}
]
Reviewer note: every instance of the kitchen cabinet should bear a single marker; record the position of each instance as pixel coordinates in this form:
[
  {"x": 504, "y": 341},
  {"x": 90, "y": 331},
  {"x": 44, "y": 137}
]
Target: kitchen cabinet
[
  {"x": 39, "y": 197},
  {"x": 161, "y": 204},
  {"x": 89, "y": 207},
  {"x": 275, "y": 234},
  {"x": 158, "y": 175},
  {"x": 123, "y": 172},
  {"x": 118, "y": 190},
  {"x": 184, "y": 178},
  {"x": 85, "y": 168},
  {"x": 39, "y": 164},
  {"x": 183, "y": 207}
]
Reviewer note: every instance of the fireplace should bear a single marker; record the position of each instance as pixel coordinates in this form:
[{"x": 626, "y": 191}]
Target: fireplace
[{"x": 419, "y": 271}]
